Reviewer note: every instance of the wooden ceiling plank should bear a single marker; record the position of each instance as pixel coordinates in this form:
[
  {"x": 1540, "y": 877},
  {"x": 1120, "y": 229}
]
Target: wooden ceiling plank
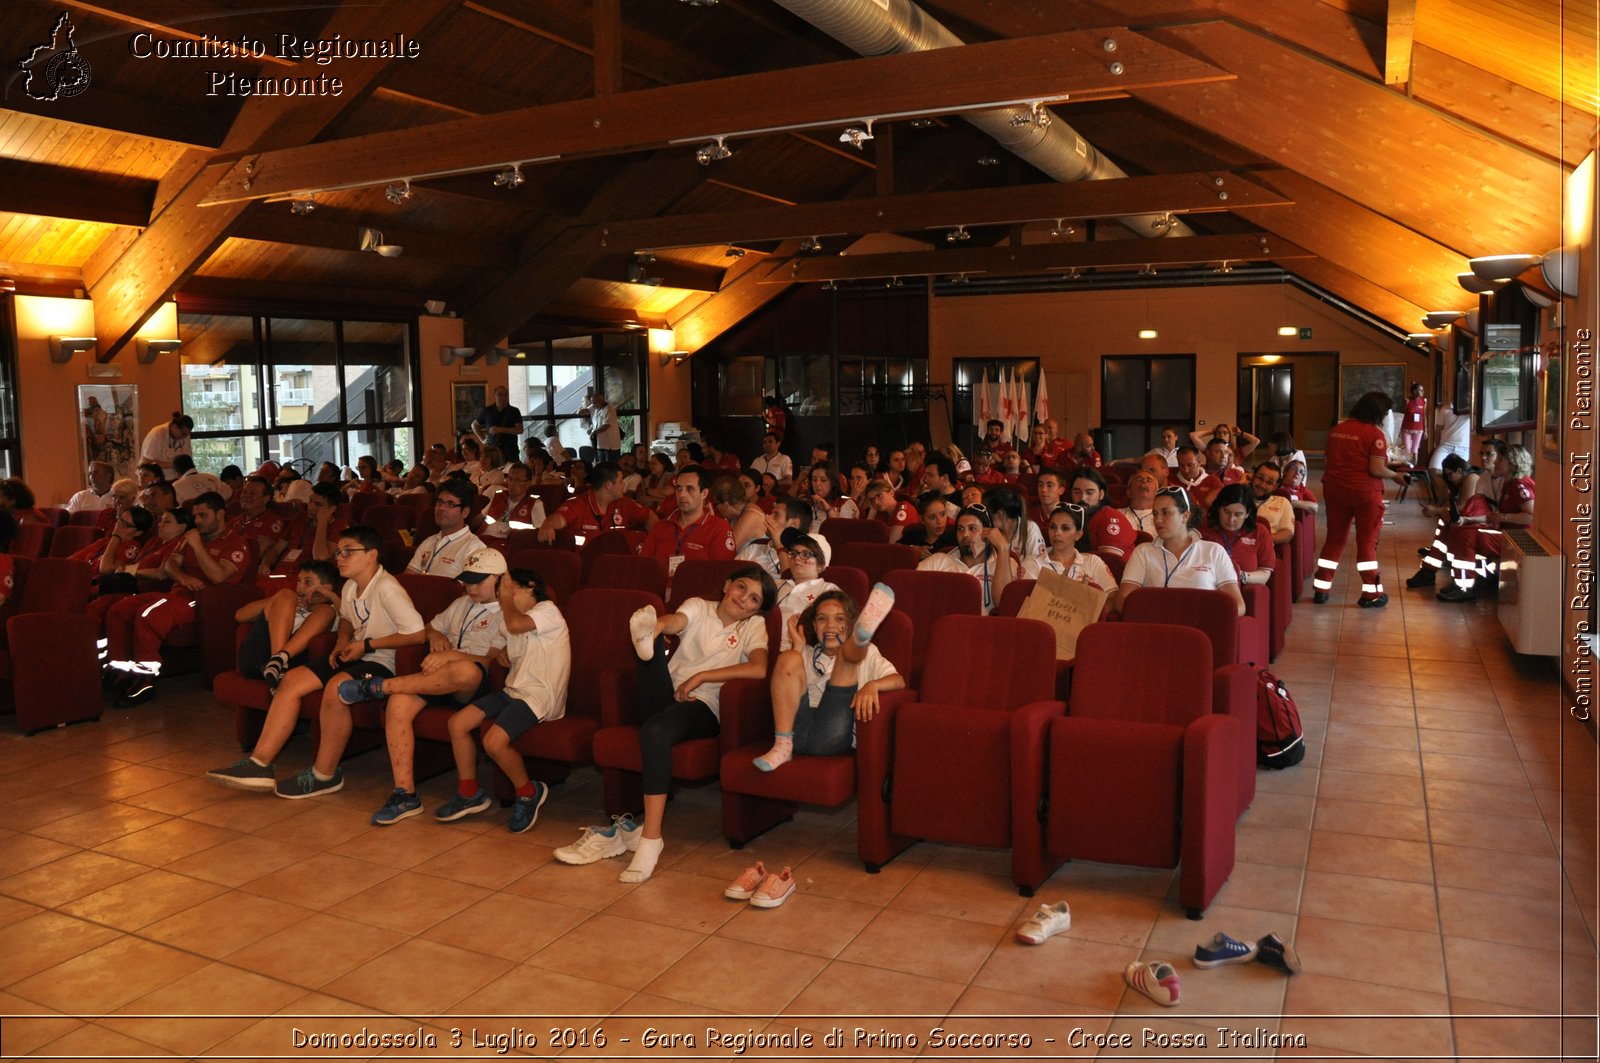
[
  {"x": 607, "y": 47},
  {"x": 743, "y": 296},
  {"x": 341, "y": 232},
  {"x": 184, "y": 234},
  {"x": 1320, "y": 28},
  {"x": 60, "y": 192},
  {"x": 1552, "y": 128},
  {"x": 1046, "y": 68},
  {"x": 106, "y": 108},
  {"x": 1375, "y": 146},
  {"x": 1039, "y": 258},
  {"x": 1179, "y": 193},
  {"x": 1356, "y": 290},
  {"x": 1401, "y": 29},
  {"x": 690, "y": 276}
]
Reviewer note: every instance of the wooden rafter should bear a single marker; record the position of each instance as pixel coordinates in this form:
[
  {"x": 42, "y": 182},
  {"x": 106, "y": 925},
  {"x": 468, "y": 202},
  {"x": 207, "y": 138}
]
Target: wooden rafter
[
  {"x": 340, "y": 231},
  {"x": 1401, "y": 30},
  {"x": 743, "y": 296},
  {"x": 62, "y": 192},
  {"x": 1039, "y": 68}
]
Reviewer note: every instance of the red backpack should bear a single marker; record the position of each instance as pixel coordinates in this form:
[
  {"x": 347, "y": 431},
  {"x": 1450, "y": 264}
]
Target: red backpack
[{"x": 1280, "y": 743}]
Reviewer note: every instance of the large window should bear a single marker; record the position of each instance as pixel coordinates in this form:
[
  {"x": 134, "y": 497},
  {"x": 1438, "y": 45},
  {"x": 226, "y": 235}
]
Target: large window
[
  {"x": 10, "y": 433},
  {"x": 549, "y": 381},
  {"x": 301, "y": 390}
]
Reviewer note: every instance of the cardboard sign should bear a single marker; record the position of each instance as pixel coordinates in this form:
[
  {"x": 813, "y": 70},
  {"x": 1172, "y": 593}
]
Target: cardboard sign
[{"x": 1067, "y": 605}]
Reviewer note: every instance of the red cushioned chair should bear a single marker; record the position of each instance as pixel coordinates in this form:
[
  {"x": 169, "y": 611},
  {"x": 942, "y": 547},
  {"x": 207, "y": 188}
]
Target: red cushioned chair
[
  {"x": 389, "y": 520},
  {"x": 1141, "y": 770},
  {"x": 841, "y": 530},
  {"x": 754, "y": 801},
  {"x": 1282, "y": 598},
  {"x": 852, "y": 581},
  {"x": 607, "y": 542},
  {"x": 1305, "y": 551},
  {"x": 364, "y": 500},
  {"x": 211, "y": 648},
  {"x": 88, "y": 517},
  {"x": 46, "y": 585},
  {"x": 559, "y": 569},
  {"x": 616, "y": 744},
  {"x": 1016, "y": 592},
  {"x": 1233, "y": 690},
  {"x": 927, "y": 596},
  {"x": 31, "y": 540},
  {"x": 964, "y": 763},
  {"x": 47, "y": 659},
  {"x": 56, "y": 515},
  {"x": 700, "y": 579},
  {"x": 629, "y": 572},
  {"x": 876, "y": 559},
  {"x": 71, "y": 538}
]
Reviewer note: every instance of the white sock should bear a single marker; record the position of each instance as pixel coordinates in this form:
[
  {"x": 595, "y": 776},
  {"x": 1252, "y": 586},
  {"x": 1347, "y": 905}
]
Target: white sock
[
  {"x": 642, "y": 628},
  {"x": 644, "y": 860}
]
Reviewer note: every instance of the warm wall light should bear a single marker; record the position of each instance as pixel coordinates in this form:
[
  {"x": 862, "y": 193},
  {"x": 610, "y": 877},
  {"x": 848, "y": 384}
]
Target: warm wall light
[
  {"x": 1476, "y": 284},
  {"x": 149, "y": 349},
  {"x": 62, "y": 348},
  {"x": 673, "y": 358},
  {"x": 451, "y": 355},
  {"x": 1147, "y": 334},
  {"x": 1288, "y": 330},
  {"x": 663, "y": 341},
  {"x": 1501, "y": 267},
  {"x": 1441, "y": 318}
]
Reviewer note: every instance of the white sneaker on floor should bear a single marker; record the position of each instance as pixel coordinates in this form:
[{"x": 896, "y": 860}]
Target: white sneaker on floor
[
  {"x": 1049, "y": 920},
  {"x": 601, "y": 843}
]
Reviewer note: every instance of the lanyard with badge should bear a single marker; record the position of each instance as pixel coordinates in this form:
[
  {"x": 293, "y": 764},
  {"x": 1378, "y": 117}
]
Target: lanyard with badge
[
  {"x": 439, "y": 548},
  {"x": 1169, "y": 572},
  {"x": 681, "y": 533},
  {"x": 466, "y": 624}
]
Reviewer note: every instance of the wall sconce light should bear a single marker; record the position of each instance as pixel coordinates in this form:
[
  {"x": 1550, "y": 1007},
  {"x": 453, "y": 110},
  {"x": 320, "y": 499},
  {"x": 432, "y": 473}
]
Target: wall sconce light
[
  {"x": 1501, "y": 267},
  {"x": 499, "y": 354},
  {"x": 673, "y": 358},
  {"x": 1288, "y": 330},
  {"x": 62, "y": 348},
  {"x": 1441, "y": 318},
  {"x": 452, "y": 355},
  {"x": 1419, "y": 339},
  {"x": 372, "y": 240},
  {"x": 1148, "y": 334},
  {"x": 148, "y": 349},
  {"x": 1477, "y": 285},
  {"x": 1560, "y": 269}
]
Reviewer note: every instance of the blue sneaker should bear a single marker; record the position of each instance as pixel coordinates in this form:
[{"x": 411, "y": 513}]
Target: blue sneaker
[
  {"x": 306, "y": 784},
  {"x": 354, "y": 690},
  {"x": 525, "y": 811},
  {"x": 401, "y": 805},
  {"x": 459, "y": 807},
  {"x": 1223, "y": 950}
]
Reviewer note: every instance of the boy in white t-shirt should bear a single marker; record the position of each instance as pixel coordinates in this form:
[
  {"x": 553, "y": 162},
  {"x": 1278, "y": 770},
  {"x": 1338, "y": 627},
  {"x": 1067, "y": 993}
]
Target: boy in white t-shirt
[
  {"x": 535, "y": 637},
  {"x": 831, "y": 678},
  {"x": 807, "y": 555},
  {"x": 283, "y": 625},
  {"x": 679, "y": 698}
]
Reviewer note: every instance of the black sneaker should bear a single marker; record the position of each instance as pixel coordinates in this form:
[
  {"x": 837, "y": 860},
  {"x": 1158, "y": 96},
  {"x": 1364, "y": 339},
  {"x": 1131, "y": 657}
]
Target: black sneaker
[
  {"x": 1454, "y": 593},
  {"x": 525, "y": 810},
  {"x": 306, "y": 784},
  {"x": 245, "y": 775},
  {"x": 1320, "y": 598},
  {"x": 1376, "y": 601},
  {"x": 140, "y": 690},
  {"x": 1273, "y": 951},
  {"x": 1425, "y": 577}
]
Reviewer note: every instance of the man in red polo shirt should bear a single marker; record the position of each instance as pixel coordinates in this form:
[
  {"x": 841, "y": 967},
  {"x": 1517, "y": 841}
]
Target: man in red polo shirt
[
  {"x": 262, "y": 529},
  {"x": 695, "y": 533},
  {"x": 600, "y": 509}
]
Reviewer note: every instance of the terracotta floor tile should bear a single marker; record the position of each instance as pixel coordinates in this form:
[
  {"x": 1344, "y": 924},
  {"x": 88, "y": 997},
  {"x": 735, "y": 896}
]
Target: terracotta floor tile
[
  {"x": 592, "y": 886},
  {"x": 835, "y": 874},
  {"x": 1401, "y": 762},
  {"x": 402, "y": 848},
  {"x": 1280, "y": 810},
  {"x": 13, "y": 910},
  {"x": 88, "y": 829},
  {"x": 1367, "y": 786},
  {"x": 1265, "y": 887},
  {"x": 688, "y": 902},
  {"x": 1483, "y": 831},
  {"x": 1378, "y": 901},
  {"x": 846, "y": 989},
  {"x": 312, "y": 951},
  {"x": 1456, "y": 796},
  {"x": 247, "y": 813},
  {"x": 1361, "y": 952},
  {"x": 46, "y": 806},
  {"x": 522, "y": 989},
  {"x": 821, "y": 926},
  {"x": 443, "y": 975},
  {"x": 65, "y": 771},
  {"x": 510, "y": 927},
  {"x": 491, "y": 859},
  {"x": 1500, "y": 872},
  {"x": 1175, "y": 935},
  {"x": 1505, "y": 974},
  {"x": 91, "y": 1041},
  {"x": 225, "y": 924},
  {"x": 1410, "y": 1029},
  {"x": 241, "y": 860},
  {"x": 30, "y": 945},
  {"x": 961, "y": 895},
  {"x": 933, "y": 946},
  {"x": 19, "y": 852},
  {"x": 650, "y": 950},
  {"x": 738, "y": 976},
  {"x": 54, "y": 884},
  {"x": 1083, "y": 973},
  {"x": 318, "y": 827},
  {"x": 181, "y": 797},
  {"x": 1496, "y": 770},
  {"x": 143, "y": 899},
  {"x": 1485, "y": 1029},
  {"x": 1285, "y": 846},
  {"x": 1533, "y": 920},
  {"x": 107, "y": 977},
  {"x": 320, "y": 880},
  {"x": 167, "y": 841},
  {"x": 1366, "y": 817},
  {"x": 1372, "y": 735},
  {"x": 1379, "y": 857},
  {"x": 30, "y": 1025},
  {"x": 408, "y": 901},
  {"x": 216, "y": 989}
]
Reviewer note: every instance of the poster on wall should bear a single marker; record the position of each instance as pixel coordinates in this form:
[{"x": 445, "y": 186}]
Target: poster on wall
[
  {"x": 468, "y": 399},
  {"x": 108, "y": 418}
]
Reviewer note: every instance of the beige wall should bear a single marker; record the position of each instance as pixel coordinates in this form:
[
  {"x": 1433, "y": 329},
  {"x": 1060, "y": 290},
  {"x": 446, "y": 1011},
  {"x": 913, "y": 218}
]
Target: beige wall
[
  {"x": 438, "y": 414},
  {"x": 671, "y": 397},
  {"x": 1071, "y": 331}
]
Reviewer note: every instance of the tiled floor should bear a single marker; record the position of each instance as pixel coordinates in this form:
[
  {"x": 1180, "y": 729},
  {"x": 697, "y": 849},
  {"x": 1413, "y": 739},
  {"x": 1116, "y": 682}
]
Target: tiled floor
[{"x": 1415, "y": 858}]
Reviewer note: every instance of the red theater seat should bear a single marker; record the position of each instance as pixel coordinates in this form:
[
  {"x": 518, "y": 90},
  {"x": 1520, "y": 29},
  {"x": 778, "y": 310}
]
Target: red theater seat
[
  {"x": 927, "y": 596},
  {"x": 876, "y": 559},
  {"x": 841, "y": 530},
  {"x": 629, "y": 572},
  {"x": 559, "y": 569}
]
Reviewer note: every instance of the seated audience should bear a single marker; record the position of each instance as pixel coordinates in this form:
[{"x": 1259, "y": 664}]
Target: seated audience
[
  {"x": 1064, "y": 558},
  {"x": 1178, "y": 558},
  {"x": 1232, "y": 524}
]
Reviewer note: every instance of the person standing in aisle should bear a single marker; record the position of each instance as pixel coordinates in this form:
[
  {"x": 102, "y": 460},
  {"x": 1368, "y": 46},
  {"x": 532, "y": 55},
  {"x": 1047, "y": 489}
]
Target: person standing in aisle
[
  {"x": 604, "y": 430},
  {"x": 1356, "y": 463}
]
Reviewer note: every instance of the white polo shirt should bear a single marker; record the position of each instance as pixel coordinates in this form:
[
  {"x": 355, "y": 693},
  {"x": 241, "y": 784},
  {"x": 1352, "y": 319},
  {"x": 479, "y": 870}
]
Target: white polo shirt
[
  {"x": 444, "y": 555},
  {"x": 795, "y": 598},
  {"x": 706, "y": 644},
  {"x": 819, "y": 669},
  {"x": 384, "y": 608},
  {"x": 1203, "y": 565},
  {"x": 541, "y": 662},
  {"x": 472, "y": 627}
]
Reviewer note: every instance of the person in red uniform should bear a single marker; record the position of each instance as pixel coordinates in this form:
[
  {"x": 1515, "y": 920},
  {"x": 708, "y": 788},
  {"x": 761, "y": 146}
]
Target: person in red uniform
[
  {"x": 1219, "y": 463},
  {"x": 1356, "y": 463},
  {"x": 208, "y": 554},
  {"x": 516, "y": 505},
  {"x": 312, "y": 535},
  {"x": 1191, "y": 475},
  {"x": 1081, "y": 455},
  {"x": 1415, "y": 425},
  {"x": 1473, "y": 544},
  {"x": 1233, "y": 525},
  {"x": 262, "y": 529},
  {"x": 695, "y": 533},
  {"x": 994, "y": 440},
  {"x": 600, "y": 509},
  {"x": 1109, "y": 531}
]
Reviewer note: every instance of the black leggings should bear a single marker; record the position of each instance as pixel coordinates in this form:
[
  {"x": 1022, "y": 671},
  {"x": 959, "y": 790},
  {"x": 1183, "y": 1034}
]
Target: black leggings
[{"x": 664, "y": 721}]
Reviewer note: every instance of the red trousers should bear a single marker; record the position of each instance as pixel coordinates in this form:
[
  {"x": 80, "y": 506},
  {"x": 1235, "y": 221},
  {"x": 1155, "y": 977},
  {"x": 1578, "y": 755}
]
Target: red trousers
[
  {"x": 137, "y": 625},
  {"x": 1365, "y": 510}
]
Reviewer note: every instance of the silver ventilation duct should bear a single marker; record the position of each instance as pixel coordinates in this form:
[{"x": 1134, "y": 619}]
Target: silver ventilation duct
[{"x": 881, "y": 27}]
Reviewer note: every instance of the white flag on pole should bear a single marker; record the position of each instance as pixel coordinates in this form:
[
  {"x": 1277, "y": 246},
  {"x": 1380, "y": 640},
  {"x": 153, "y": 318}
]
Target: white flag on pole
[
  {"x": 982, "y": 407},
  {"x": 1021, "y": 405},
  {"x": 1041, "y": 402},
  {"x": 1006, "y": 413}
]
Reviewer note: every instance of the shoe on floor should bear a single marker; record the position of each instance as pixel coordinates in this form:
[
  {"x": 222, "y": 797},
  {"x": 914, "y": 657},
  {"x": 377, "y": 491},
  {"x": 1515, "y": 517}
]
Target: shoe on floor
[
  {"x": 525, "y": 810},
  {"x": 601, "y": 843},
  {"x": 1320, "y": 598},
  {"x": 1454, "y": 593},
  {"x": 245, "y": 775},
  {"x": 1049, "y": 920},
  {"x": 1222, "y": 950},
  {"x": 402, "y": 804},
  {"x": 1375, "y": 601},
  {"x": 774, "y": 890},
  {"x": 140, "y": 689},
  {"x": 1156, "y": 980},
  {"x": 459, "y": 807},
  {"x": 1273, "y": 951},
  {"x": 306, "y": 784},
  {"x": 745, "y": 886},
  {"x": 1424, "y": 577}
]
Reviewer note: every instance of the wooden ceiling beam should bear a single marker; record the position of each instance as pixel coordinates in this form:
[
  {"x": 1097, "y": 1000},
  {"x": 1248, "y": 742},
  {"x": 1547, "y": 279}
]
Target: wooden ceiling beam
[
  {"x": 341, "y": 231},
  {"x": 197, "y": 125},
  {"x": 1038, "y": 68},
  {"x": 744, "y": 295},
  {"x": 1042, "y": 258},
  {"x": 690, "y": 276},
  {"x": 1178, "y": 193},
  {"x": 1358, "y": 291},
  {"x": 1401, "y": 32},
  {"x": 183, "y": 235},
  {"x": 79, "y": 195}
]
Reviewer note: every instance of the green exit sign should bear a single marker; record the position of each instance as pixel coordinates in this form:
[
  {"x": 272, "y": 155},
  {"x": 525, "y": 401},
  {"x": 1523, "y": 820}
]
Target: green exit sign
[{"x": 1305, "y": 334}]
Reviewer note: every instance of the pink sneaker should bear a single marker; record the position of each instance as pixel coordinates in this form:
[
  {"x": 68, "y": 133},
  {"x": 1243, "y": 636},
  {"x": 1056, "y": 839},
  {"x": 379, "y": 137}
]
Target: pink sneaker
[
  {"x": 742, "y": 887},
  {"x": 775, "y": 890},
  {"x": 1156, "y": 980}
]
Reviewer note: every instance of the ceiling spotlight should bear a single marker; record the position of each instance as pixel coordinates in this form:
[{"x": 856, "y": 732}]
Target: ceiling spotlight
[
  {"x": 1037, "y": 114},
  {"x": 811, "y": 245},
  {"x": 894, "y": 282},
  {"x": 1147, "y": 270},
  {"x": 699, "y": 3},
  {"x": 398, "y": 193},
  {"x": 856, "y": 136},
  {"x": 1161, "y": 223},
  {"x": 1226, "y": 267},
  {"x": 510, "y": 177},
  {"x": 706, "y": 154},
  {"x": 7, "y": 284},
  {"x": 959, "y": 233},
  {"x": 1419, "y": 339},
  {"x": 372, "y": 240},
  {"x": 644, "y": 258},
  {"x": 830, "y": 286},
  {"x": 1061, "y": 230},
  {"x": 959, "y": 278},
  {"x": 1074, "y": 274},
  {"x": 734, "y": 252},
  {"x": 303, "y": 206},
  {"x": 921, "y": 123}
]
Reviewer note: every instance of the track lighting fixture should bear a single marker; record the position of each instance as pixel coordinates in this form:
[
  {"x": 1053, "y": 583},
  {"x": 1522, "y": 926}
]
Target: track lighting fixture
[
  {"x": 699, "y": 3},
  {"x": 958, "y": 234},
  {"x": 372, "y": 240},
  {"x": 1147, "y": 270},
  {"x": 399, "y": 192},
  {"x": 1037, "y": 115},
  {"x": 510, "y": 177},
  {"x": 1061, "y": 230},
  {"x": 304, "y": 205},
  {"x": 830, "y": 286},
  {"x": 988, "y": 160},
  {"x": 1226, "y": 267},
  {"x": 735, "y": 252},
  {"x": 856, "y": 136},
  {"x": 922, "y": 123},
  {"x": 811, "y": 245},
  {"x": 959, "y": 278},
  {"x": 718, "y": 149}
]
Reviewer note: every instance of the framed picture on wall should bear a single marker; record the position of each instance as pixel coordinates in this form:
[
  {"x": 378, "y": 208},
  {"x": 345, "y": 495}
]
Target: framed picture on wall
[
  {"x": 108, "y": 426},
  {"x": 1358, "y": 378},
  {"x": 1550, "y": 402},
  {"x": 469, "y": 397}
]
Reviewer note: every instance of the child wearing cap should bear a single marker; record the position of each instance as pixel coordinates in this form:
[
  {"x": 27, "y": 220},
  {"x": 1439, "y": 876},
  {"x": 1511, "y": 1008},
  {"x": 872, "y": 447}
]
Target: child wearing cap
[
  {"x": 805, "y": 557},
  {"x": 463, "y": 641},
  {"x": 534, "y": 634}
]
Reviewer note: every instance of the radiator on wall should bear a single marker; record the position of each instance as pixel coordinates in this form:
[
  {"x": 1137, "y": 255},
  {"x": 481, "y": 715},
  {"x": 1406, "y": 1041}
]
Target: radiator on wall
[{"x": 1530, "y": 593}]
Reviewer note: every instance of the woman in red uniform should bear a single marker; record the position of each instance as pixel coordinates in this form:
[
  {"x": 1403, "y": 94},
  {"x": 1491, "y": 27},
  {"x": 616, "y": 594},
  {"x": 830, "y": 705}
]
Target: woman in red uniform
[
  {"x": 1473, "y": 545},
  {"x": 1356, "y": 464}
]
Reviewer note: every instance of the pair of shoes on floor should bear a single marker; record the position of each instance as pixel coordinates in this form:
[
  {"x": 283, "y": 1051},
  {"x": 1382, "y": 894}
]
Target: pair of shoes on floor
[
  {"x": 1155, "y": 979},
  {"x": 1454, "y": 593},
  {"x": 1048, "y": 921},
  {"x": 1223, "y": 950},
  {"x": 619, "y": 836},
  {"x": 1320, "y": 598},
  {"x": 1373, "y": 601},
  {"x": 760, "y": 887},
  {"x": 1425, "y": 577}
]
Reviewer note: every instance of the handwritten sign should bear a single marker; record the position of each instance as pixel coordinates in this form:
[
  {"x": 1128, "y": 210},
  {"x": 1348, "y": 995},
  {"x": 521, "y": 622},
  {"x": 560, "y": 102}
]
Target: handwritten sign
[{"x": 1067, "y": 605}]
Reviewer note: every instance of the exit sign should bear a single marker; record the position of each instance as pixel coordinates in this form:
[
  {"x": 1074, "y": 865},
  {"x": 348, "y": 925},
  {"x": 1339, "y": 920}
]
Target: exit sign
[{"x": 1305, "y": 334}]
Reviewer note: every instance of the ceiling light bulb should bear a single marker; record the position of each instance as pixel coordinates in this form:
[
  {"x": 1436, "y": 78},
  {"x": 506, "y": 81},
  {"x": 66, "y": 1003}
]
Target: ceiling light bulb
[
  {"x": 830, "y": 286},
  {"x": 1288, "y": 330},
  {"x": 304, "y": 206},
  {"x": 922, "y": 123},
  {"x": 398, "y": 193},
  {"x": 956, "y": 234},
  {"x": 856, "y": 136},
  {"x": 707, "y": 154},
  {"x": 511, "y": 177},
  {"x": 988, "y": 160},
  {"x": 1061, "y": 229},
  {"x": 811, "y": 245},
  {"x": 1147, "y": 334}
]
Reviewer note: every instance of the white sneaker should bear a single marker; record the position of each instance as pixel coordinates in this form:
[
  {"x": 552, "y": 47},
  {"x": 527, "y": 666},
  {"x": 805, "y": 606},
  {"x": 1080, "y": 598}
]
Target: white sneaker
[
  {"x": 877, "y": 606},
  {"x": 642, "y": 627},
  {"x": 1049, "y": 920},
  {"x": 601, "y": 843}
]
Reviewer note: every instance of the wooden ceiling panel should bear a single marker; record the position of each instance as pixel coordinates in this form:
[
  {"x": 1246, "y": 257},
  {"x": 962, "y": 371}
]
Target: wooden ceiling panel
[
  {"x": 28, "y": 238},
  {"x": 1321, "y": 28},
  {"x": 1539, "y": 123},
  {"x": 1549, "y": 46},
  {"x": 30, "y": 138},
  {"x": 1461, "y": 187},
  {"x": 240, "y": 259},
  {"x": 1360, "y": 292}
]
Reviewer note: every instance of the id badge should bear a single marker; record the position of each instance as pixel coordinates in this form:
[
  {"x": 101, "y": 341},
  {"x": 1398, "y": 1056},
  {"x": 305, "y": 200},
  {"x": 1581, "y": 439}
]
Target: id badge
[
  {"x": 291, "y": 557},
  {"x": 672, "y": 564}
]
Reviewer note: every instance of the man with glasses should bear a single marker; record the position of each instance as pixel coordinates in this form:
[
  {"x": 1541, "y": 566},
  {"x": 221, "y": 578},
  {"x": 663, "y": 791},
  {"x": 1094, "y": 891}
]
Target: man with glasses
[
  {"x": 694, "y": 532},
  {"x": 445, "y": 551},
  {"x": 515, "y": 508},
  {"x": 376, "y": 617}
]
